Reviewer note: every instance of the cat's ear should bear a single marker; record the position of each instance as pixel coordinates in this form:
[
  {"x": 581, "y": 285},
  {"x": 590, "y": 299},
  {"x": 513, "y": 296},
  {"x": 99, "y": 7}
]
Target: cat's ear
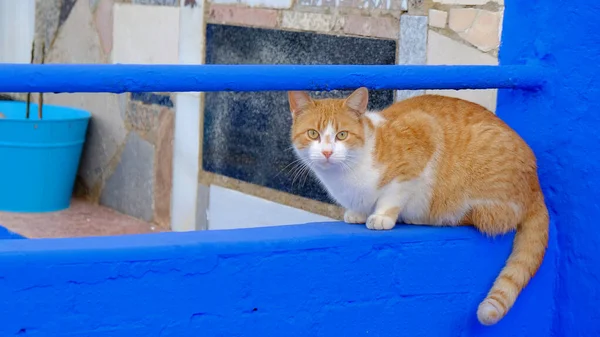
[
  {"x": 358, "y": 100},
  {"x": 299, "y": 100}
]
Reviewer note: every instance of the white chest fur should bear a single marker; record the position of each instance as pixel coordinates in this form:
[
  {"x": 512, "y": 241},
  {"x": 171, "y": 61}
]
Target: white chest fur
[
  {"x": 357, "y": 188},
  {"x": 353, "y": 188}
]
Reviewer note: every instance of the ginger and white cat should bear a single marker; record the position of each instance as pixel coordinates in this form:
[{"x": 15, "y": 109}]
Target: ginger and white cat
[{"x": 431, "y": 160}]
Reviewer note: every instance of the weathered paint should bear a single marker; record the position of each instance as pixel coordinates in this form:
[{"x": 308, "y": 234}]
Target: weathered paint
[{"x": 147, "y": 78}]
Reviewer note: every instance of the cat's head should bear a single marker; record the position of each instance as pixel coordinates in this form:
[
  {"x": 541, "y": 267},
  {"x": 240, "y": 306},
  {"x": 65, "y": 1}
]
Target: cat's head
[{"x": 328, "y": 133}]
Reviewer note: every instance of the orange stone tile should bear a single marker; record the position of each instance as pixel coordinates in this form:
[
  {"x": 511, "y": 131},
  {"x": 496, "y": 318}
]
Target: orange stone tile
[
  {"x": 383, "y": 27},
  {"x": 231, "y": 14}
]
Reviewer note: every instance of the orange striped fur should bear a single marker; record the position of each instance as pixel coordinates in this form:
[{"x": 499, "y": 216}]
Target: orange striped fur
[{"x": 431, "y": 160}]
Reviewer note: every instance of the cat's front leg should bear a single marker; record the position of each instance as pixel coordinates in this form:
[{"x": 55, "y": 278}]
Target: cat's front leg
[
  {"x": 387, "y": 209},
  {"x": 353, "y": 217}
]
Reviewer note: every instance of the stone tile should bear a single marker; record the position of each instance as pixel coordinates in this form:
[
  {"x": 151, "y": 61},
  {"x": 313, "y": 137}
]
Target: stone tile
[
  {"x": 444, "y": 50},
  {"x": 142, "y": 117},
  {"x": 145, "y": 34},
  {"x": 225, "y": 2},
  {"x": 462, "y": 19},
  {"x": 106, "y": 132},
  {"x": 279, "y": 4},
  {"x": 417, "y": 7},
  {"x": 93, "y": 5},
  {"x": 316, "y": 22},
  {"x": 157, "y": 2},
  {"x": 193, "y": 3},
  {"x": 403, "y": 5},
  {"x": 468, "y": 2},
  {"x": 368, "y": 5},
  {"x": 78, "y": 42},
  {"x": 104, "y": 24},
  {"x": 81, "y": 219},
  {"x": 130, "y": 189},
  {"x": 164, "y": 169},
  {"x": 152, "y": 98},
  {"x": 17, "y": 31},
  {"x": 438, "y": 18},
  {"x": 47, "y": 14},
  {"x": 486, "y": 98},
  {"x": 192, "y": 31},
  {"x": 412, "y": 47},
  {"x": 66, "y": 7},
  {"x": 383, "y": 27},
  {"x": 187, "y": 143},
  {"x": 228, "y": 14},
  {"x": 251, "y": 211},
  {"x": 478, "y": 27}
]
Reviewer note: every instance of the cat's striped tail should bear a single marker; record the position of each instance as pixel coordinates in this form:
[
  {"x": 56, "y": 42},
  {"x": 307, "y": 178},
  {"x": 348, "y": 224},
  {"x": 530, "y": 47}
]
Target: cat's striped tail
[{"x": 528, "y": 251}]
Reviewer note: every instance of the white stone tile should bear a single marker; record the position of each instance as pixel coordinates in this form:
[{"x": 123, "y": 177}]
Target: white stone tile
[
  {"x": 412, "y": 47},
  {"x": 188, "y": 207},
  {"x": 443, "y": 50},
  {"x": 316, "y": 22},
  {"x": 17, "y": 28},
  {"x": 479, "y": 27},
  {"x": 461, "y": 19},
  {"x": 251, "y": 211},
  {"x": 404, "y": 5},
  {"x": 77, "y": 41},
  {"x": 191, "y": 34},
  {"x": 486, "y": 98},
  {"x": 464, "y": 2},
  {"x": 186, "y": 152},
  {"x": 225, "y": 2},
  {"x": 268, "y": 3},
  {"x": 145, "y": 34}
]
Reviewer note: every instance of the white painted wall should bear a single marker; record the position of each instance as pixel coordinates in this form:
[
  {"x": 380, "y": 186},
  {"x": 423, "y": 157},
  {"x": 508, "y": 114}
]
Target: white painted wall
[
  {"x": 17, "y": 29},
  {"x": 229, "y": 209}
]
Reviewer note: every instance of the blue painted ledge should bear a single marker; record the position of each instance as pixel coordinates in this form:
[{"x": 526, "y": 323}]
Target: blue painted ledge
[
  {"x": 328, "y": 279},
  {"x": 5, "y": 234}
]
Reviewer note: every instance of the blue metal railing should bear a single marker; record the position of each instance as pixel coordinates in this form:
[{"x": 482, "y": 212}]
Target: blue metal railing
[{"x": 120, "y": 78}]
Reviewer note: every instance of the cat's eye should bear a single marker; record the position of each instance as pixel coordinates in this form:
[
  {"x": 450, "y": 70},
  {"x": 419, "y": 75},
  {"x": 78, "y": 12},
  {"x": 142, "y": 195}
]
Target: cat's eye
[
  {"x": 342, "y": 135},
  {"x": 312, "y": 134}
]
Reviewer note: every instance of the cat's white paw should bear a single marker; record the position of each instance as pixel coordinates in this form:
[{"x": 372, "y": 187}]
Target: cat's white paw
[
  {"x": 354, "y": 217},
  {"x": 380, "y": 222}
]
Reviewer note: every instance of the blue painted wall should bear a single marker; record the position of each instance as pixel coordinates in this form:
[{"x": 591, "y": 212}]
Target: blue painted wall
[
  {"x": 562, "y": 125},
  {"x": 309, "y": 280}
]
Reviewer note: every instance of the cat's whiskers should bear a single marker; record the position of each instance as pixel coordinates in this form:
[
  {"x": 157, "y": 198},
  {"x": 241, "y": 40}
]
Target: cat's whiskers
[
  {"x": 287, "y": 166},
  {"x": 297, "y": 171}
]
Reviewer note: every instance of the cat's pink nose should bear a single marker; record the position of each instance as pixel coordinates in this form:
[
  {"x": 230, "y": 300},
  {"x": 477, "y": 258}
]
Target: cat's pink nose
[{"x": 327, "y": 153}]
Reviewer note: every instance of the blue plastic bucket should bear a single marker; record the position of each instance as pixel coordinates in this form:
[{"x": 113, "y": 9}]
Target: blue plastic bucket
[{"x": 39, "y": 158}]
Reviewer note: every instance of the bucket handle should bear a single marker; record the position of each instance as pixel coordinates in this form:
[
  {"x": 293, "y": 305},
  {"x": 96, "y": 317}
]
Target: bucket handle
[{"x": 41, "y": 100}]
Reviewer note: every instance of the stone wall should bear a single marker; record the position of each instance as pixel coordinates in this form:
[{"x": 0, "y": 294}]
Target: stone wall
[
  {"x": 127, "y": 160},
  {"x": 126, "y": 163}
]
